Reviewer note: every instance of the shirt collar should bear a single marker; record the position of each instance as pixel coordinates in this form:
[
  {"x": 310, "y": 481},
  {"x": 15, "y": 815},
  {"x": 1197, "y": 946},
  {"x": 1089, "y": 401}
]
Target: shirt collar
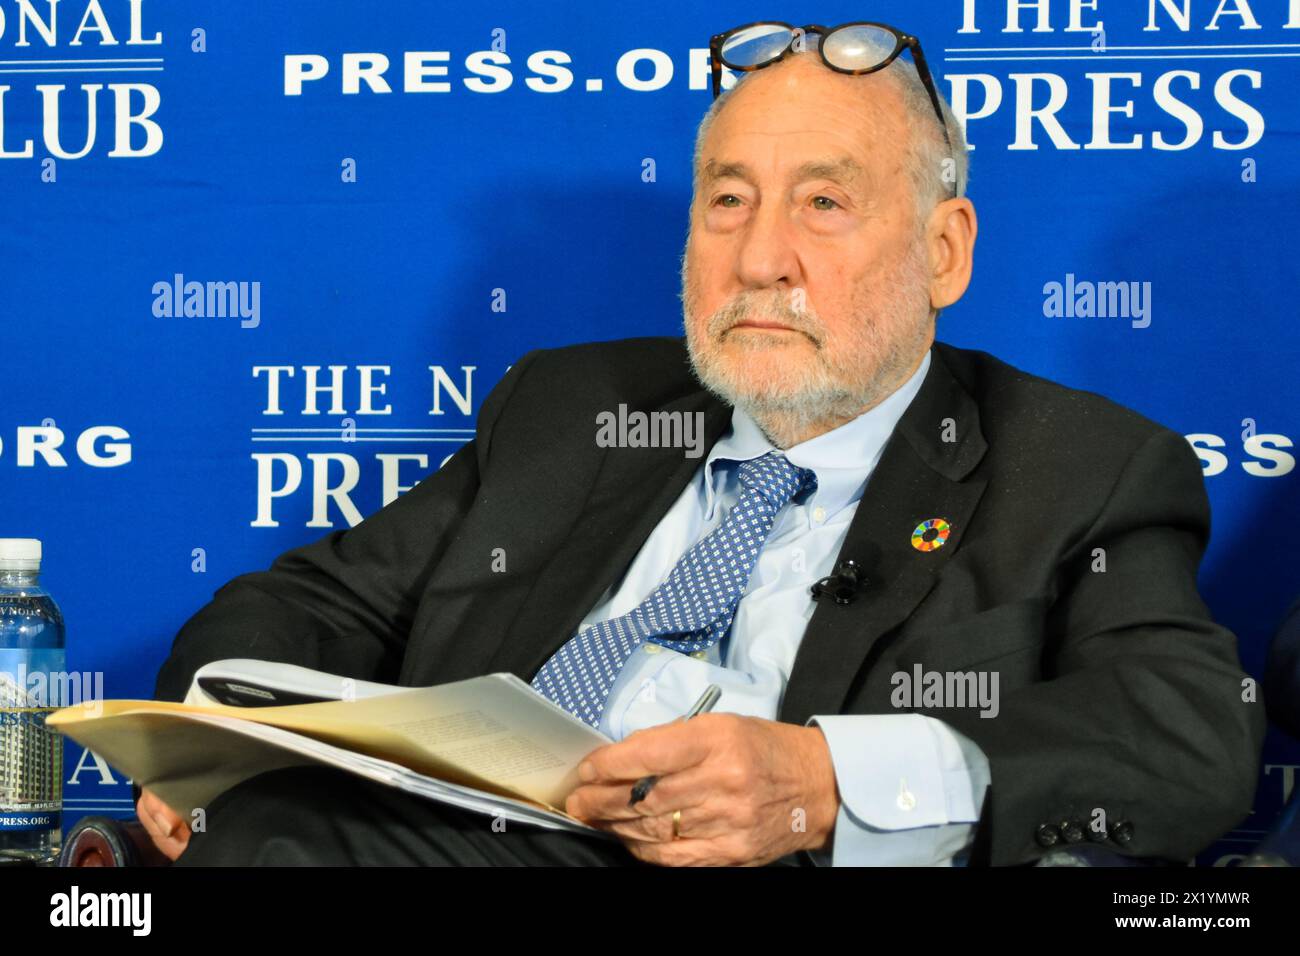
[{"x": 842, "y": 458}]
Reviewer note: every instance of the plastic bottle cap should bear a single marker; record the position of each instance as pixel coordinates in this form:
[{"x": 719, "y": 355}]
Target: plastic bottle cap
[{"x": 20, "y": 554}]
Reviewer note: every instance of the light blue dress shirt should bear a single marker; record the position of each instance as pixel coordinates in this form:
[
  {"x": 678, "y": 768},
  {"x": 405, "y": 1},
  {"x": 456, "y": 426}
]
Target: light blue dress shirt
[{"x": 910, "y": 786}]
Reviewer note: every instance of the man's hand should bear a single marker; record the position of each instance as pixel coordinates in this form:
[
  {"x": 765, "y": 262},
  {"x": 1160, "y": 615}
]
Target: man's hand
[
  {"x": 170, "y": 832},
  {"x": 749, "y": 790}
]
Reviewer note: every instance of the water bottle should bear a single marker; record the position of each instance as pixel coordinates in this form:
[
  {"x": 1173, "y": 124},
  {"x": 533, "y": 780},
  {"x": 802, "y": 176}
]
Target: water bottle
[{"x": 31, "y": 754}]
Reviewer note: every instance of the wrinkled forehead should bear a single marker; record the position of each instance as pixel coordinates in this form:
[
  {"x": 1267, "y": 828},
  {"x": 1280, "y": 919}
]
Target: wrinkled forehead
[{"x": 798, "y": 118}]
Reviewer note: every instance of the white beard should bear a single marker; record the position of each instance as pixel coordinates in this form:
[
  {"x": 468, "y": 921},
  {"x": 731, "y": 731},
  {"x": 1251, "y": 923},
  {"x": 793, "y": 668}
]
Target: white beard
[{"x": 841, "y": 380}]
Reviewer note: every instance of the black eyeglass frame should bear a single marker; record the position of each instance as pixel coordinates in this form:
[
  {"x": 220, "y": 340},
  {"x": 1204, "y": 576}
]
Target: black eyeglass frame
[{"x": 902, "y": 41}]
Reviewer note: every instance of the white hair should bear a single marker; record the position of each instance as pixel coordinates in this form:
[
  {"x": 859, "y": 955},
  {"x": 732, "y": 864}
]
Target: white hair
[{"x": 929, "y": 165}]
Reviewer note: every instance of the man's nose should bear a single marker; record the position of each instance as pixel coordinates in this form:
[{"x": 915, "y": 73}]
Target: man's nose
[{"x": 767, "y": 253}]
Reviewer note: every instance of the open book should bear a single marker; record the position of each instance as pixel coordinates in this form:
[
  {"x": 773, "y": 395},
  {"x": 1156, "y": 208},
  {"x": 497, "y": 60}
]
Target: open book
[{"x": 490, "y": 744}]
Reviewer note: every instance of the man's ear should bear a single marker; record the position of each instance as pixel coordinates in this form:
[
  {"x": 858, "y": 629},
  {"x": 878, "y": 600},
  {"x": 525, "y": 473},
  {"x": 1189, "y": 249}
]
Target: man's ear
[{"x": 950, "y": 242}]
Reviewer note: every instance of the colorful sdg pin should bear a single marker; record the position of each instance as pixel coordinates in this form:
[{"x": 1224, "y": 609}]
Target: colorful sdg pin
[{"x": 931, "y": 534}]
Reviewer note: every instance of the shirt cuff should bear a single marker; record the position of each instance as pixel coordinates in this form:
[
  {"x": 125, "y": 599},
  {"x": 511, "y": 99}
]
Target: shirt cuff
[{"x": 911, "y": 789}]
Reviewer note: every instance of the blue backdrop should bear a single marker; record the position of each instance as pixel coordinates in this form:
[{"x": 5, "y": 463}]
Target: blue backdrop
[{"x": 411, "y": 195}]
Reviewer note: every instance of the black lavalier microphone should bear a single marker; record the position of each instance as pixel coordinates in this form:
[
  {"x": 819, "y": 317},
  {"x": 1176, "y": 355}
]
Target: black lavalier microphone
[{"x": 844, "y": 583}]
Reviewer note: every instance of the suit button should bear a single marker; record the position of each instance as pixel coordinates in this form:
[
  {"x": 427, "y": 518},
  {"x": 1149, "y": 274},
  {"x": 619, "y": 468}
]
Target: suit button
[
  {"x": 653, "y": 648},
  {"x": 700, "y": 655},
  {"x": 1072, "y": 831},
  {"x": 1047, "y": 835},
  {"x": 1122, "y": 832}
]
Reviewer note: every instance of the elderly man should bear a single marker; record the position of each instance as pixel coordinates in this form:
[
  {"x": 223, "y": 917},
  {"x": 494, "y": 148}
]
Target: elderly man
[{"x": 951, "y": 606}]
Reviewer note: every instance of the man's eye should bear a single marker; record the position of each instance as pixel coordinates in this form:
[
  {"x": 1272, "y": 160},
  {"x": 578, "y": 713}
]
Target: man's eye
[
  {"x": 726, "y": 197},
  {"x": 828, "y": 199}
]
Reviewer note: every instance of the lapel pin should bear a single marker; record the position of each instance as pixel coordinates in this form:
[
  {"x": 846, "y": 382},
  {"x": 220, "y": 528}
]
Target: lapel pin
[{"x": 931, "y": 534}]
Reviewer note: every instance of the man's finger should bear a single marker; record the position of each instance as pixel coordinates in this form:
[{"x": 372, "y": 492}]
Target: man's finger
[
  {"x": 153, "y": 805},
  {"x": 170, "y": 846},
  {"x": 689, "y": 790},
  {"x": 606, "y": 801},
  {"x": 166, "y": 828},
  {"x": 704, "y": 822},
  {"x": 644, "y": 830},
  {"x": 173, "y": 847},
  {"x": 147, "y": 821},
  {"x": 655, "y": 750},
  {"x": 179, "y": 843}
]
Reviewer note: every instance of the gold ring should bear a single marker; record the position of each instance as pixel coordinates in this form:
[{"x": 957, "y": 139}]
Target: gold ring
[{"x": 677, "y": 824}]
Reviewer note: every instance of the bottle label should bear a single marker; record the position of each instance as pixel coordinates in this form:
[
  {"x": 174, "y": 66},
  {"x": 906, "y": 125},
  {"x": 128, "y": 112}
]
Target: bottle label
[
  {"x": 34, "y": 677},
  {"x": 31, "y": 754},
  {"x": 30, "y": 820}
]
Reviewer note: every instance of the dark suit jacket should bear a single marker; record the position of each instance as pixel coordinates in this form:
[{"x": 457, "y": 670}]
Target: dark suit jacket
[{"x": 1119, "y": 694}]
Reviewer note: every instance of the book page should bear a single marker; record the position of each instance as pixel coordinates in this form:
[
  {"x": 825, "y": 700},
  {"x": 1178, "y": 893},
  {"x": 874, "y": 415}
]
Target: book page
[
  {"x": 189, "y": 761},
  {"x": 490, "y": 733}
]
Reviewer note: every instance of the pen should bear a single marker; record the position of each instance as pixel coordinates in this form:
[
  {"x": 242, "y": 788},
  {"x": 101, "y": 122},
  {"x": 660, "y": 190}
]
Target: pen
[{"x": 706, "y": 702}]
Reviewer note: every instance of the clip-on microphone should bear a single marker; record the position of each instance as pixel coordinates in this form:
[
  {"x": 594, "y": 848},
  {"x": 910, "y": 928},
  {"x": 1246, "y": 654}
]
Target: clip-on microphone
[{"x": 844, "y": 583}]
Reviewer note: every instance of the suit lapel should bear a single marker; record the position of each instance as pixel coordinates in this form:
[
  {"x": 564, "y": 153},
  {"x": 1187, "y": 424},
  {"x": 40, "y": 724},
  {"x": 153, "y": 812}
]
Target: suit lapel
[
  {"x": 920, "y": 475},
  {"x": 634, "y": 489}
]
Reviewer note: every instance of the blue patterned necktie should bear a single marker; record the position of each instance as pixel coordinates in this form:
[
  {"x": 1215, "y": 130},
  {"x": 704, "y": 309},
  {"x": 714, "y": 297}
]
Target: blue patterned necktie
[{"x": 698, "y": 600}]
